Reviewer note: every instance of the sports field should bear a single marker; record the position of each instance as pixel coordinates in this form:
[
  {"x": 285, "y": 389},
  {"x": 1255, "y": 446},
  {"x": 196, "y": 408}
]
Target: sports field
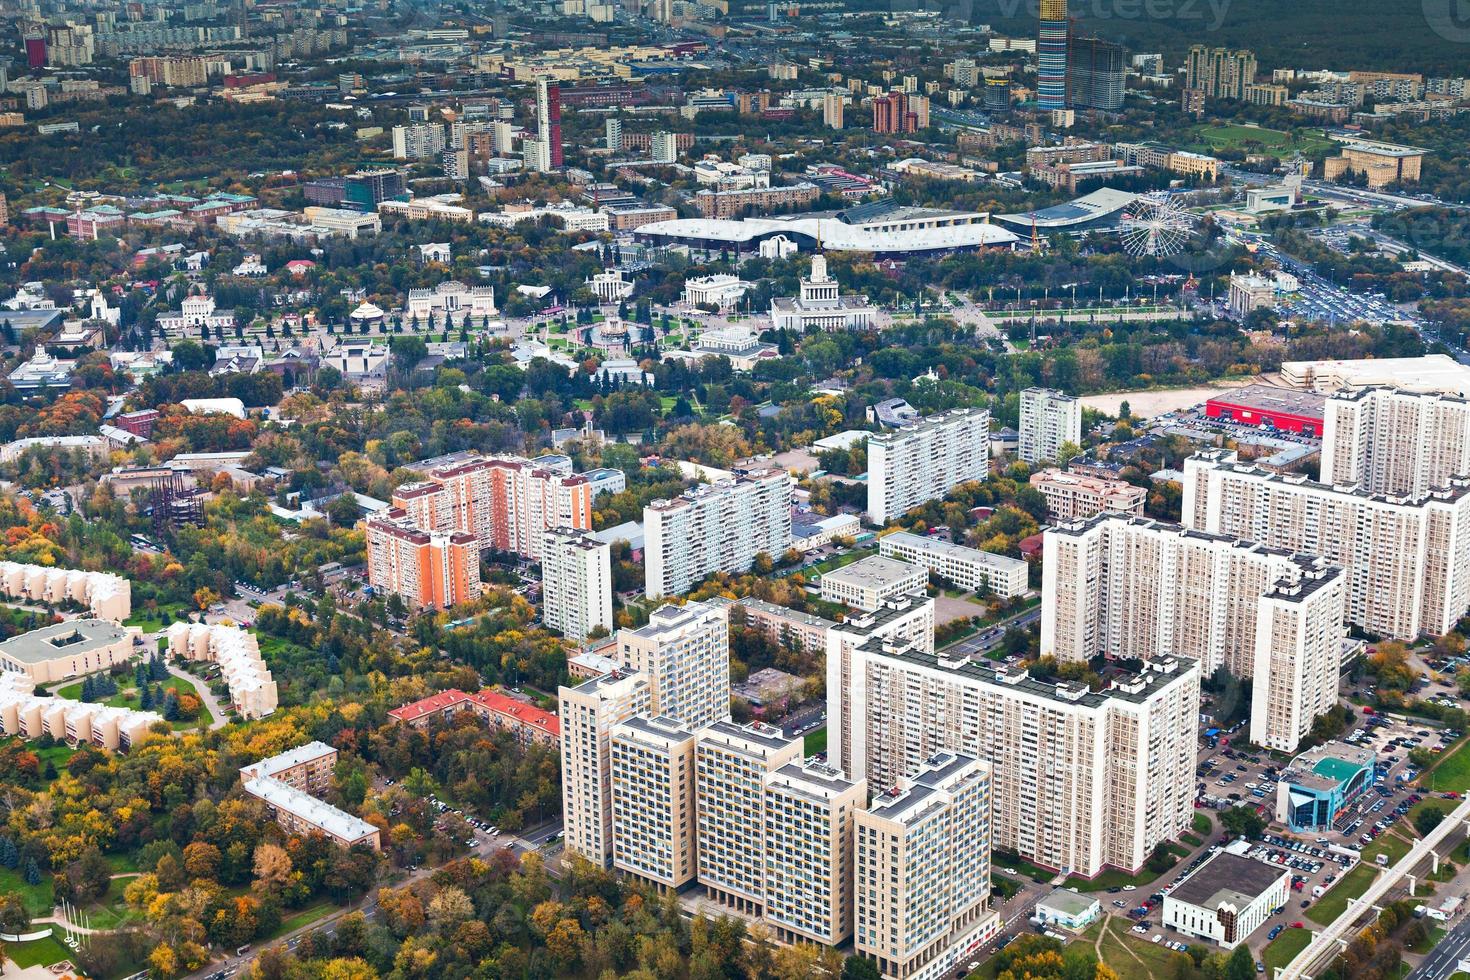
[{"x": 1219, "y": 137}]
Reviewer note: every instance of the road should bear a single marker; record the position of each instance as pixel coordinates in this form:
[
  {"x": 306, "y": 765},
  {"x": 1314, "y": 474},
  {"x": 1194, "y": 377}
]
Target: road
[
  {"x": 806, "y": 717},
  {"x": 991, "y": 637},
  {"x": 201, "y": 688},
  {"x": 1446, "y": 956}
]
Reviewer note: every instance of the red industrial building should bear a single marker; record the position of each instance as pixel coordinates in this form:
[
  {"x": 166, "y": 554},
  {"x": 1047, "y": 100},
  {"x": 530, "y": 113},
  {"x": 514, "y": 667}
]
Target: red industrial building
[{"x": 1285, "y": 409}]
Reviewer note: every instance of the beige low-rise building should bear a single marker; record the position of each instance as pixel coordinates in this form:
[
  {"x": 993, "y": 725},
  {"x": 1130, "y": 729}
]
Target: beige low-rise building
[
  {"x": 237, "y": 652},
  {"x": 27, "y": 716},
  {"x": 968, "y": 568},
  {"x": 285, "y": 783},
  {"x": 1073, "y": 497},
  {"x": 105, "y": 595},
  {"x": 868, "y": 583},
  {"x": 64, "y": 650}
]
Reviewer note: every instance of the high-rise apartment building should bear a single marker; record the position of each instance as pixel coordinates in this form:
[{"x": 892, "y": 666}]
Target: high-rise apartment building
[
  {"x": 664, "y": 147},
  {"x": 1219, "y": 72},
  {"x": 1136, "y": 588},
  {"x": 833, "y": 105},
  {"x": 576, "y": 583},
  {"x": 1406, "y": 559},
  {"x": 1051, "y": 55},
  {"x": 808, "y": 858},
  {"x": 922, "y": 859},
  {"x": 548, "y": 123},
  {"x": 613, "y": 134},
  {"x": 732, "y": 765},
  {"x": 506, "y": 502},
  {"x": 684, "y": 652},
  {"x": 589, "y": 714},
  {"x": 1096, "y": 73},
  {"x": 1083, "y": 779},
  {"x": 653, "y": 806},
  {"x": 1049, "y": 419},
  {"x": 892, "y": 114},
  {"x": 927, "y": 459},
  {"x": 1399, "y": 443},
  {"x": 428, "y": 569},
  {"x": 901, "y": 621},
  {"x": 419, "y": 141},
  {"x": 715, "y": 527}
]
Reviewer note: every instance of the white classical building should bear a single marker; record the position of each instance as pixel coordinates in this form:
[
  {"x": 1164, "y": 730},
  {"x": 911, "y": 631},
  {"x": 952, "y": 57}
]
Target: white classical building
[
  {"x": 451, "y": 299},
  {"x": 609, "y": 286},
  {"x": 720, "y": 291},
  {"x": 821, "y": 304},
  {"x": 197, "y": 311}
]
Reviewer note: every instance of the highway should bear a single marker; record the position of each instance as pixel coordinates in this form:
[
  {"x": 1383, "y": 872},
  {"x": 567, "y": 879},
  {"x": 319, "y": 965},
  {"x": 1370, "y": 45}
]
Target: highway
[{"x": 1329, "y": 942}]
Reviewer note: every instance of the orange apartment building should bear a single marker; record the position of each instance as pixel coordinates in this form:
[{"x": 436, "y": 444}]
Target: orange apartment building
[
  {"x": 505, "y": 502},
  {"x": 427, "y": 568}
]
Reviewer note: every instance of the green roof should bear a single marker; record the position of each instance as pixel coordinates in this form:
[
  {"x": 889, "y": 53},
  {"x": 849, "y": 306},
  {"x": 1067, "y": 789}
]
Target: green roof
[{"x": 1339, "y": 770}]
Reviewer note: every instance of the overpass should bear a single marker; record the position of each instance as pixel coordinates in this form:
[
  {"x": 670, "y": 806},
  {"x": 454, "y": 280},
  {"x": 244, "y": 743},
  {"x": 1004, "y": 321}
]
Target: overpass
[{"x": 1326, "y": 944}]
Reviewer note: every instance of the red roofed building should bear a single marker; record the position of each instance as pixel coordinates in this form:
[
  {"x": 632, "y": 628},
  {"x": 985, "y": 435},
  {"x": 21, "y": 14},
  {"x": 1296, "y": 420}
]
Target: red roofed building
[
  {"x": 528, "y": 723},
  {"x": 419, "y": 714}
]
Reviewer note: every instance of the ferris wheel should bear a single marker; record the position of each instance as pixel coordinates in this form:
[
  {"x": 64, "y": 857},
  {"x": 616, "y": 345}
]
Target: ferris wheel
[{"x": 1155, "y": 225}]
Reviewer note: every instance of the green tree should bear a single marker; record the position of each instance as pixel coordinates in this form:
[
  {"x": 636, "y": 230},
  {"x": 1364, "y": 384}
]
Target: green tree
[{"x": 1240, "y": 966}]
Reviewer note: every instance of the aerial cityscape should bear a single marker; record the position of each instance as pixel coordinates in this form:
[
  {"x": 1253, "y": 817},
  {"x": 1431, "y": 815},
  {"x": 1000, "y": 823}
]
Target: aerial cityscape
[{"x": 693, "y": 490}]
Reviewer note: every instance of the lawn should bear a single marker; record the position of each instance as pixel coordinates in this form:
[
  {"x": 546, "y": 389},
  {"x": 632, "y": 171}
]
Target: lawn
[
  {"x": 838, "y": 561},
  {"x": 42, "y": 952},
  {"x": 1335, "y": 902},
  {"x": 1237, "y": 137},
  {"x": 298, "y": 920},
  {"x": 1450, "y": 772},
  {"x": 150, "y": 621},
  {"x": 128, "y": 698},
  {"x": 110, "y": 915},
  {"x": 1431, "y": 939},
  {"x": 1113, "y": 878},
  {"x": 814, "y": 742},
  {"x": 1128, "y": 954},
  {"x": 36, "y": 897},
  {"x": 1201, "y": 823},
  {"x": 1283, "y": 949},
  {"x": 1391, "y": 844},
  {"x": 57, "y": 755},
  {"x": 1015, "y": 864}
]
